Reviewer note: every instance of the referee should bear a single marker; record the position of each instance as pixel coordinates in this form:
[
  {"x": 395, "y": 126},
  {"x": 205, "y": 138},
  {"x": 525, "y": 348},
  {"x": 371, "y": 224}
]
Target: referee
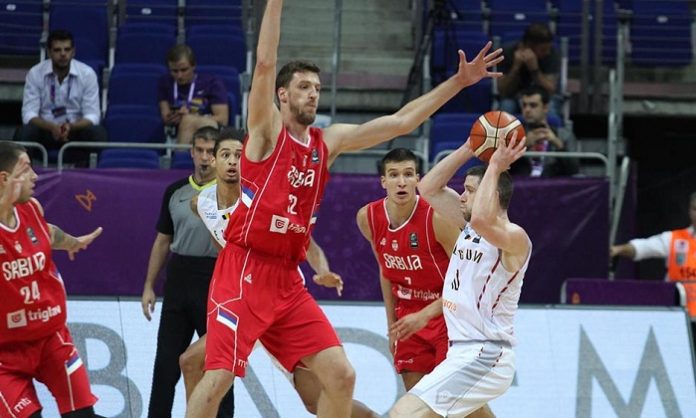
[{"x": 189, "y": 270}]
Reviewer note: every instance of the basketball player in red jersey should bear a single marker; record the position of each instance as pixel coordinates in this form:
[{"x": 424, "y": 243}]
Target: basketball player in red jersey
[
  {"x": 34, "y": 340},
  {"x": 256, "y": 291},
  {"x": 412, "y": 244}
]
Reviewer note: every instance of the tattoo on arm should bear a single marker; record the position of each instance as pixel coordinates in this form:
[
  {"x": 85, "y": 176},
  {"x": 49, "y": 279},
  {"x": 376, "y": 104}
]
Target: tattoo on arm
[{"x": 59, "y": 239}]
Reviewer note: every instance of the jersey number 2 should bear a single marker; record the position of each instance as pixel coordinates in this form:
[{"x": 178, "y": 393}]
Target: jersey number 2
[{"x": 292, "y": 204}]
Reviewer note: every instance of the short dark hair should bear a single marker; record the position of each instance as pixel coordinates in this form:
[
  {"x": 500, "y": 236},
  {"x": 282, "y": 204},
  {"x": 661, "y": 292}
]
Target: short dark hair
[
  {"x": 229, "y": 134},
  {"x": 177, "y": 52},
  {"x": 206, "y": 133},
  {"x": 534, "y": 89},
  {"x": 537, "y": 33},
  {"x": 59, "y": 35},
  {"x": 398, "y": 155},
  {"x": 505, "y": 186},
  {"x": 288, "y": 70},
  {"x": 9, "y": 154}
]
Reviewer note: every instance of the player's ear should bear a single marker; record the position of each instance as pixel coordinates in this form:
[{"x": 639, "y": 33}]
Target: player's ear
[
  {"x": 383, "y": 181},
  {"x": 282, "y": 94}
]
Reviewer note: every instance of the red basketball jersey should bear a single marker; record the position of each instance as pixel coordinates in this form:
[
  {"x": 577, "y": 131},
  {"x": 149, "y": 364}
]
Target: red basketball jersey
[
  {"x": 280, "y": 197},
  {"x": 33, "y": 296},
  {"x": 410, "y": 256}
]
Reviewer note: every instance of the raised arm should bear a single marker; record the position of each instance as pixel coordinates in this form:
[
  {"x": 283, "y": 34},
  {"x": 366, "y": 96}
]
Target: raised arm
[
  {"x": 433, "y": 186},
  {"x": 264, "y": 121},
  {"x": 344, "y": 137},
  {"x": 486, "y": 215}
]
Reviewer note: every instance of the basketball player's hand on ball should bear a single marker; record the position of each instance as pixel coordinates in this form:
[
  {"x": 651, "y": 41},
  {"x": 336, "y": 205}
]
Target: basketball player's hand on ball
[
  {"x": 410, "y": 324},
  {"x": 472, "y": 71},
  {"x": 507, "y": 152},
  {"x": 329, "y": 279}
]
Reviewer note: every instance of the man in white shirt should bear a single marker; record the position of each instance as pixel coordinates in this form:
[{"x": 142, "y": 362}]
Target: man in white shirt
[{"x": 61, "y": 98}]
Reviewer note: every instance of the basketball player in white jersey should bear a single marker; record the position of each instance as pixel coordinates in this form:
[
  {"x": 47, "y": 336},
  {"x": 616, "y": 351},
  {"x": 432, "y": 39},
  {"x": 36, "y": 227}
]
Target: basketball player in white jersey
[
  {"x": 214, "y": 205},
  {"x": 481, "y": 290}
]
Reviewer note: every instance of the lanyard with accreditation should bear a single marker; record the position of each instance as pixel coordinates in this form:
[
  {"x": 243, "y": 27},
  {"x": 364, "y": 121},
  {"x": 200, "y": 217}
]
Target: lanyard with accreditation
[
  {"x": 59, "y": 111},
  {"x": 190, "y": 93}
]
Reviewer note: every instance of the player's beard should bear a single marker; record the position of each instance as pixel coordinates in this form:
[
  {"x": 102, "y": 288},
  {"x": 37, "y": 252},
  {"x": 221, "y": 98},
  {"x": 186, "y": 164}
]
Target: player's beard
[{"x": 305, "y": 118}]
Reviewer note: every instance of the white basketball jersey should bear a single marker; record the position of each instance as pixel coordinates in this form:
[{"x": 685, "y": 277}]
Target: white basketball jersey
[
  {"x": 215, "y": 219},
  {"x": 479, "y": 296}
]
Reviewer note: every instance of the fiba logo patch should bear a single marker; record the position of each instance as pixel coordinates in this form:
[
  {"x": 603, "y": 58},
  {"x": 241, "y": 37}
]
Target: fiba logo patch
[
  {"x": 17, "y": 319},
  {"x": 279, "y": 224},
  {"x": 315, "y": 156},
  {"x": 32, "y": 236},
  {"x": 413, "y": 240}
]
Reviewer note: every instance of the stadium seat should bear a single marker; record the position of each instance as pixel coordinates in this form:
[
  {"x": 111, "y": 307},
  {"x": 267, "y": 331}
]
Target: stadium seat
[
  {"x": 446, "y": 42},
  {"x": 133, "y": 88},
  {"x": 661, "y": 33},
  {"x": 138, "y": 26},
  {"x": 219, "y": 49},
  {"x": 569, "y": 25},
  {"x": 449, "y": 128},
  {"x": 88, "y": 22},
  {"x": 228, "y": 75},
  {"x": 477, "y": 98},
  {"x": 143, "y": 48},
  {"x": 21, "y": 23},
  {"x": 514, "y": 15},
  {"x": 182, "y": 159},
  {"x": 128, "y": 158},
  {"x": 164, "y": 12},
  {"x": 134, "y": 125},
  {"x": 226, "y": 29},
  {"x": 213, "y": 12}
]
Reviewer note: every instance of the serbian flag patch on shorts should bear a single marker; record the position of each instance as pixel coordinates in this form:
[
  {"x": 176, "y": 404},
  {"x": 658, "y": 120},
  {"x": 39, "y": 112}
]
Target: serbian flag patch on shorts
[
  {"x": 227, "y": 319},
  {"x": 73, "y": 363}
]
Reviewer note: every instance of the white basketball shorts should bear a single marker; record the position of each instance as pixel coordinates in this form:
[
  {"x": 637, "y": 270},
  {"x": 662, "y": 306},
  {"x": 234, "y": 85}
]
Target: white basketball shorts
[{"x": 472, "y": 374}]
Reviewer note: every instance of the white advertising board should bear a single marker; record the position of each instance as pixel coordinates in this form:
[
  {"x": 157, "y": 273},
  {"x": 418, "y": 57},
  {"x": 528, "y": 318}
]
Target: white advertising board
[{"x": 570, "y": 363}]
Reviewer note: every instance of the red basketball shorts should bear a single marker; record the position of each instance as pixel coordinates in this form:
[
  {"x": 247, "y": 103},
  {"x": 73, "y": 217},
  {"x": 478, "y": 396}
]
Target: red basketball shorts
[
  {"x": 53, "y": 361},
  {"x": 259, "y": 297},
  {"x": 423, "y": 350}
]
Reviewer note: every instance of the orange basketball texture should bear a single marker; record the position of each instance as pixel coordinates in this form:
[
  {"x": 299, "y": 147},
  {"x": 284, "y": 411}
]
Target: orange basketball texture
[{"x": 485, "y": 132}]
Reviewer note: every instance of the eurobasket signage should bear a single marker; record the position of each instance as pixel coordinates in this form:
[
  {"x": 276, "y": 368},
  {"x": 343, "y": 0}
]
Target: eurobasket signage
[{"x": 571, "y": 362}]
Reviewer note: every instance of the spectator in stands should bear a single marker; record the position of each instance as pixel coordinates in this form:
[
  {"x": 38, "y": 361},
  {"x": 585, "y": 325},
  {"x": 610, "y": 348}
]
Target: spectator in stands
[
  {"x": 529, "y": 62},
  {"x": 187, "y": 100},
  {"x": 61, "y": 100},
  {"x": 677, "y": 247},
  {"x": 543, "y": 136}
]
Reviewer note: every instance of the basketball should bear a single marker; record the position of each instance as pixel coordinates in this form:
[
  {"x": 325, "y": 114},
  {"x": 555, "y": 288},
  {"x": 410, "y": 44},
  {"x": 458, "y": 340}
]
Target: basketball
[{"x": 487, "y": 129}]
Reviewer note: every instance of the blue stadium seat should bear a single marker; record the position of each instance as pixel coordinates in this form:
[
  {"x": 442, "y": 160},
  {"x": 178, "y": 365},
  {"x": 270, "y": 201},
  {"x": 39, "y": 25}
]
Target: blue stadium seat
[
  {"x": 473, "y": 99},
  {"x": 150, "y": 11},
  {"x": 137, "y": 124},
  {"x": 569, "y": 25},
  {"x": 226, "y": 29},
  {"x": 182, "y": 159},
  {"x": 446, "y": 42},
  {"x": 219, "y": 49},
  {"x": 661, "y": 33},
  {"x": 21, "y": 23},
  {"x": 128, "y": 158},
  {"x": 467, "y": 14},
  {"x": 228, "y": 75},
  {"x": 143, "y": 48},
  {"x": 134, "y": 84},
  {"x": 138, "y": 26},
  {"x": 213, "y": 12},
  {"x": 514, "y": 15},
  {"x": 449, "y": 128},
  {"x": 88, "y": 22}
]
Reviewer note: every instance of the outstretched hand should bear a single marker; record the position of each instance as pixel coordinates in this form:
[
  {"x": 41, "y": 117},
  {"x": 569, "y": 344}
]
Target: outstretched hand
[
  {"x": 472, "y": 71},
  {"x": 82, "y": 242},
  {"x": 507, "y": 152},
  {"x": 329, "y": 279}
]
